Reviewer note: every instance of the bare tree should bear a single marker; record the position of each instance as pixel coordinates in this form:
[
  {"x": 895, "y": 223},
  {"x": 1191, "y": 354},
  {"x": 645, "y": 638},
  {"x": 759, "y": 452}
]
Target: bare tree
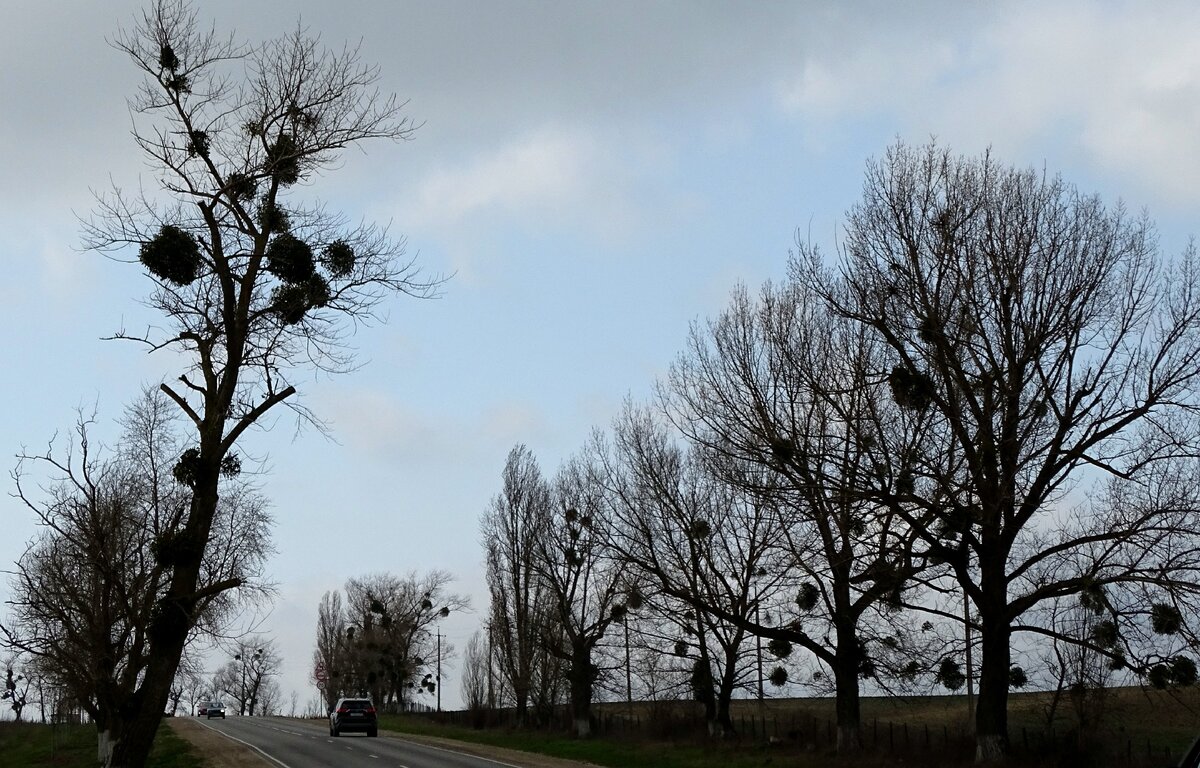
[
  {"x": 269, "y": 700},
  {"x": 390, "y": 642},
  {"x": 328, "y": 656},
  {"x": 475, "y": 673},
  {"x": 584, "y": 582},
  {"x": 705, "y": 549},
  {"x": 512, "y": 527},
  {"x": 190, "y": 684},
  {"x": 774, "y": 397},
  {"x": 16, "y": 690},
  {"x": 254, "y": 664},
  {"x": 252, "y": 284},
  {"x": 86, "y": 593},
  {"x": 1051, "y": 346}
]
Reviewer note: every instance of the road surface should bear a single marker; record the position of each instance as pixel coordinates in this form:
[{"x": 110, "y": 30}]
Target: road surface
[{"x": 307, "y": 744}]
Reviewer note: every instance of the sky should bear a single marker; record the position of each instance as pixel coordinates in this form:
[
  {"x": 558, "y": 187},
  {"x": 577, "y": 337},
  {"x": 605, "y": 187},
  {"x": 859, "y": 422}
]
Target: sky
[{"x": 594, "y": 177}]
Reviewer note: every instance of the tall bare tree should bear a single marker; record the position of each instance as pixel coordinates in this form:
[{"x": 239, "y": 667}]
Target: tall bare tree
[
  {"x": 328, "y": 656},
  {"x": 705, "y": 548},
  {"x": 776, "y": 396},
  {"x": 584, "y": 582},
  {"x": 1053, "y": 347},
  {"x": 513, "y": 526},
  {"x": 252, "y": 283},
  {"x": 254, "y": 665},
  {"x": 476, "y": 672},
  {"x": 86, "y": 592}
]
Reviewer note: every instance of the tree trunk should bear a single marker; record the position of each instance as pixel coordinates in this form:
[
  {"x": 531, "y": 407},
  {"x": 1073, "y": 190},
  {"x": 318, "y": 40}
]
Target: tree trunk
[
  {"x": 846, "y": 705},
  {"x": 522, "y": 709},
  {"x": 991, "y": 713},
  {"x": 581, "y": 690},
  {"x": 104, "y": 746},
  {"x": 173, "y": 619},
  {"x": 710, "y": 716},
  {"x": 725, "y": 694}
]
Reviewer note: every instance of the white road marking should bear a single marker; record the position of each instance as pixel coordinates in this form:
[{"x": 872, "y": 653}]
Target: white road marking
[
  {"x": 272, "y": 758},
  {"x": 455, "y": 752}
]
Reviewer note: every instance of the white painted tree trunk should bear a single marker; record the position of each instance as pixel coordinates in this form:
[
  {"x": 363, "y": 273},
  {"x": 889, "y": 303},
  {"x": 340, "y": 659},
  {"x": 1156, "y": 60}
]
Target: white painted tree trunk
[
  {"x": 104, "y": 747},
  {"x": 583, "y": 727}
]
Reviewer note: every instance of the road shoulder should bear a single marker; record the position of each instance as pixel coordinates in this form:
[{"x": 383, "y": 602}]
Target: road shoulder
[{"x": 216, "y": 749}]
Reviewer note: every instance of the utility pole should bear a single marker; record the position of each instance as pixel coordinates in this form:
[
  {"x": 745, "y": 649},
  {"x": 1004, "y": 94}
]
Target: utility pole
[
  {"x": 628, "y": 673},
  {"x": 758, "y": 643},
  {"x": 970, "y": 678},
  {"x": 491, "y": 699},
  {"x": 439, "y": 669}
]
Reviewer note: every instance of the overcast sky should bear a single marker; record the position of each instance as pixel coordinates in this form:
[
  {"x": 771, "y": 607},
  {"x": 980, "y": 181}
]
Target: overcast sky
[{"x": 595, "y": 175}]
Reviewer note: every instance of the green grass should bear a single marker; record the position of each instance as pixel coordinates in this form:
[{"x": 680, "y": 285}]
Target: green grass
[
  {"x": 1144, "y": 723},
  {"x": 623, "y": 753},
  {"x": 74, "y": 746}
]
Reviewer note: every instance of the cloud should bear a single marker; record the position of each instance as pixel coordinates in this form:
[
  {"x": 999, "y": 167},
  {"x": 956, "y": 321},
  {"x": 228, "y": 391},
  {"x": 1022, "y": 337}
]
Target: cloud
[
  {"x": 547, "y": 169},
  {"x": 1125, "y": 83},
  {"x": 1114, "y": 86}
]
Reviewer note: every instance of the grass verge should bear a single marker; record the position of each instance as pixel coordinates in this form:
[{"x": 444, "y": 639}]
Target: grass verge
[
  {"x": 1132, "y": 727},
  {"x": 74, "y": 746},
  {"x": 620, "y": 753}
]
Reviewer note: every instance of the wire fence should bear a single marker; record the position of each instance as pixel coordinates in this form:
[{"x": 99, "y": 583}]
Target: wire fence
[{"x": 801, "y": 732}]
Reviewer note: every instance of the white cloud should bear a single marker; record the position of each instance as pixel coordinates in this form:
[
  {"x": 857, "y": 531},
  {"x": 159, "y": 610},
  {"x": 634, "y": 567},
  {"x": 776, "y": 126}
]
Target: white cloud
[
  {"x": 861, "y": 79},
  {"x": 548, "y": 169},
  {"x": 1122, "y": 84},
  {"x": 1113, "y": 85}
]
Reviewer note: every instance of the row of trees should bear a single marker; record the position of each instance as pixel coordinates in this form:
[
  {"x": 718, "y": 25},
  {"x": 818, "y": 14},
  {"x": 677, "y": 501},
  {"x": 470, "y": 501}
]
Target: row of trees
[
  {"x": 980, "y": 423},
  {"x": 381, "y": 639}
]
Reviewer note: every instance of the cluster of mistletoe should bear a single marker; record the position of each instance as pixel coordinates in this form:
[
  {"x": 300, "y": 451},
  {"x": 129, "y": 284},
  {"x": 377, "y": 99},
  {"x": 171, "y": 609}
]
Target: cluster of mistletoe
[{"x": 177, "y": 256}]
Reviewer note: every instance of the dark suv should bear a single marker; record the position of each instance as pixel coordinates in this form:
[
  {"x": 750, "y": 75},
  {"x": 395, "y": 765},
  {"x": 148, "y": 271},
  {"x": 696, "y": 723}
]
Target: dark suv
[{"x": 353, "y": 715}]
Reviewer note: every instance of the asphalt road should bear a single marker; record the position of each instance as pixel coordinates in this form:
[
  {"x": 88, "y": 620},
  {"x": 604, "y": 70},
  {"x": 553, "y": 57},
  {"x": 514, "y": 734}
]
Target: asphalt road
[{"x": 298, "y": 744}]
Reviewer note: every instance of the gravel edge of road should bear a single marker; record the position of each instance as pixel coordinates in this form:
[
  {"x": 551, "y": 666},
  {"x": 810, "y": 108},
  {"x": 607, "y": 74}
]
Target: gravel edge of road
[
  {"x": 221, "y": 751},
  {"x": 216, "y": 750}
]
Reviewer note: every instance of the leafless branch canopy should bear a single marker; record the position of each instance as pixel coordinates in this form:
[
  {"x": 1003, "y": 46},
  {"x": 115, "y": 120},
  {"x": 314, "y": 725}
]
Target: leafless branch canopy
[{"x": 232, "y": 133}]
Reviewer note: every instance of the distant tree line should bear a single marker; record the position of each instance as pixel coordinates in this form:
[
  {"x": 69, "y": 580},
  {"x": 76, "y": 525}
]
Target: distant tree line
[{"x": 965, "y": 443}]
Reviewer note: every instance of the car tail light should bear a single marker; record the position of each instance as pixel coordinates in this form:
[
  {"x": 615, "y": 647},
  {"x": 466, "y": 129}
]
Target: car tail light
[
  {"x": 370, "y": 710},
  {"x": 342, "y": 711}
]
